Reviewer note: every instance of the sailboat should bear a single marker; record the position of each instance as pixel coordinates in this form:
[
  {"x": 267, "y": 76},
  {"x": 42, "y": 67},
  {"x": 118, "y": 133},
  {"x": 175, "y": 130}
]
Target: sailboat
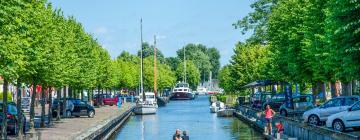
[
  {"x": 147, "y": 103},
  {"x": 182, "y": 90}
]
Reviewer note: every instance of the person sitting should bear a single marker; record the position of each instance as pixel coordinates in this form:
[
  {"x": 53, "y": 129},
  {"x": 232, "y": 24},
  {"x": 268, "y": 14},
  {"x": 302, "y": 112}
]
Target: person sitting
[
  {"x": 185, "y": 136},
  {"x": 177, "y": 135}
]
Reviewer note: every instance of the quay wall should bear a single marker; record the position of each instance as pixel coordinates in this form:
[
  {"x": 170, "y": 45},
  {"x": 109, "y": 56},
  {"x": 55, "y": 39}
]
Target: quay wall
[
  {"x": 107, "y": 128},
  {"x": 293, "y": 128}
]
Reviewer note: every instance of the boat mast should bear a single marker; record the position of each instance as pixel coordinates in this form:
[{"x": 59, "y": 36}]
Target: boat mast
[
  {"x": 155, "y": 64},
  {"x": 184, "y": 65},
  {"x": 142, "y": 63}
]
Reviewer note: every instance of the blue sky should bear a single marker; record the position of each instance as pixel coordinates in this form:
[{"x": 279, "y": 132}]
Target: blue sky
[{"x": 116, "y": 23}]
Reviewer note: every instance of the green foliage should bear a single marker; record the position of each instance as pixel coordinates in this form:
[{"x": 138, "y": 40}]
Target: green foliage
[
  {"x": 343, "y": 34},
  {"x": 247, "y": 64},
  {"x": 308, "y": 41},
  {"x": 199, "y": 55},
  {"x": 192, "y": 73},
  {"x": 9, "y": 96},
  {"x": 226, "y": 79}
]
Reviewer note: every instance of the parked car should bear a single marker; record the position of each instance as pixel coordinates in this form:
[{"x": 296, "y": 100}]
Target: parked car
[
  {"x": 301, "y": 103},
  {"x": 259, "y": 98},
  {"x": 106, "y": 99},
  {"x": 333, "y": 106},
  {"x": 75, "y": 107},
  {"x": 12, "y": 118},
  {"x": 346, "y": 119},
  {"x": 275, "y": 102},
  {"x": 69, "y": 107}
]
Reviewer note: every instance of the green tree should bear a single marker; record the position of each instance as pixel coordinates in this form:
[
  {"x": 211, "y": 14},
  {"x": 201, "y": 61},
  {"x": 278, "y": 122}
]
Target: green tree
[
  {"x": 225, "y": 79},
  {"x": 192, "y": 74}
]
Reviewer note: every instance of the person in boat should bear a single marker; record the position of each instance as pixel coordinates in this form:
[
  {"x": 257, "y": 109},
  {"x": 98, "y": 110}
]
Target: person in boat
[
  {"x": 269, "y": 113},
  {"x": 185, "y": 136},
  {"x": 177, "y": 135}
]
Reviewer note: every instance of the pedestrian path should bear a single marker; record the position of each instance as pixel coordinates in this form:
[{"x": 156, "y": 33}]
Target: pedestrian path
[{"x": 71, "y": 127}]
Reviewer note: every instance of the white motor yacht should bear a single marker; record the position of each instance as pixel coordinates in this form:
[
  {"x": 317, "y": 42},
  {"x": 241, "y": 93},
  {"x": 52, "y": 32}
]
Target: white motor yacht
[{"x": 147, "y": 106}]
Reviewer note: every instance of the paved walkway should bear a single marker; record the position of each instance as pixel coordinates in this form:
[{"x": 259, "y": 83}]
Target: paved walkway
[{"x": 71, "y": 127}]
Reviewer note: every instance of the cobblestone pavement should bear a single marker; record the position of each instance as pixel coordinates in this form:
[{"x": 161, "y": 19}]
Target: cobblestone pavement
[{"x": 70, "y": 127}]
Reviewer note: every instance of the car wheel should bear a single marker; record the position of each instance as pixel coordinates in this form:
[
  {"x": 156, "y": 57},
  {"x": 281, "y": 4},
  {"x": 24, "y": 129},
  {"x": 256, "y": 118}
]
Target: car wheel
[
  {"x": 283, "y": 112},
  {"x": 314, "y": 120},
  {"x": 91, "y": 114},
  {"x": 68, "y": 114},
  {"x": 111, "y": 104},
  {"x": 338, "y": 125}
]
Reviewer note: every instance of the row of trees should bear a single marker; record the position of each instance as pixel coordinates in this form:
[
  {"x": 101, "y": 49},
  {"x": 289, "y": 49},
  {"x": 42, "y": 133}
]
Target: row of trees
[
  {"x": 39, "y": 46},
  {"x": 305, "y": 42}
]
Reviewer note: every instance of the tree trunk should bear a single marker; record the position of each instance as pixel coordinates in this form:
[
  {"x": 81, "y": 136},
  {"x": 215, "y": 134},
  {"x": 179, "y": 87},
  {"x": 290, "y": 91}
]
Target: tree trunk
[
  {"x": 346, "y": 88},
  {"x": 50, "y": 107},
  {"x": 58, "y": 96},
  {"x": 323, "y": 89},
  {"x": 333, "y": 89},
  {"x": 42, "y": 121},
  {"x": 4, "y": 108},
  {"x": 32, "y": 109},
  {"x": 19, "y": 110},
  {"x": 71, "y": 92},
  {"x": 64, "y": 103},
  {"x": 314, "y": 91},
  {"x": 354, "y": 87},
  {"x": 82, "y": 94}
]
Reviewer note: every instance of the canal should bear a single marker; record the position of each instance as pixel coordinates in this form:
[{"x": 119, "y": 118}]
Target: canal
[{"x": 191, "y": 115}]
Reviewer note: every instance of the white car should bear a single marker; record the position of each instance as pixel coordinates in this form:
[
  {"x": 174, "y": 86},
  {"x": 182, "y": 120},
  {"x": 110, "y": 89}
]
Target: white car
[
  {"x": 346, "y": 119},
  {"x": 333, "y": 106}
]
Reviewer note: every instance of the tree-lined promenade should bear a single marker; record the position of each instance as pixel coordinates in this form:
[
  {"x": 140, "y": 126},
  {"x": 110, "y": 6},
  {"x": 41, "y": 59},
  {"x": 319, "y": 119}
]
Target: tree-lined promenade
[
  {"x": 312, "y": 43},
  {"x": 40, "y": 46}
]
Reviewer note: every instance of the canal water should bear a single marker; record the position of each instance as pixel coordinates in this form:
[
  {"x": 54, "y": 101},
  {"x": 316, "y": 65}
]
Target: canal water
[{"x": 191, "y": 115}]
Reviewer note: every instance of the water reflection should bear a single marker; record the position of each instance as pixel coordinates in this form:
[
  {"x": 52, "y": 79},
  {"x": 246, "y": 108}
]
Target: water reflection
[{"x": 193, "y": 116}]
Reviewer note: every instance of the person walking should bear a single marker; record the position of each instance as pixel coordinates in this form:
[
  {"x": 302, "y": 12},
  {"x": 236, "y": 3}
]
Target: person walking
[
  {"x": 269, "y": 114},
  {"x": 177, "y": 135},
  {"x": 185, "y": 136}
]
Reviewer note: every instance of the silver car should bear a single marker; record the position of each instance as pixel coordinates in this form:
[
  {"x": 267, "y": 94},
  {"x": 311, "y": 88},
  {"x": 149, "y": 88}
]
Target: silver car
[
  {"x": 333, "y": 106},
  {"x": 301, "y": 103}
]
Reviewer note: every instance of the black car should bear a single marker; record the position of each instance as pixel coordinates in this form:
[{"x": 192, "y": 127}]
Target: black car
[
  {"x": 75, "y": 107},
  {"x": 12, "y": 118}
]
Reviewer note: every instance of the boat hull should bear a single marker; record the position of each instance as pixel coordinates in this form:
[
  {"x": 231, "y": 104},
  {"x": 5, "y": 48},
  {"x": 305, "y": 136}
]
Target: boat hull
[
  {"x": 225, "y": 112},
  {"x": 145, "y": 110},
  {"x": 181, "y": 96}
]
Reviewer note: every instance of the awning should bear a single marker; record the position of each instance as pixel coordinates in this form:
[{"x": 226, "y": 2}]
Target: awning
[{"x": 259, "y": 83}]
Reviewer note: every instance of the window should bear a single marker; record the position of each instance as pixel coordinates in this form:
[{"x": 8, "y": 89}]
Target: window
[
  {"x": 355, "y": 107},
  {"x": 150, "y": 96},
  {"x": 333, "y": 103},
  {"x": 350, "y": 101}
]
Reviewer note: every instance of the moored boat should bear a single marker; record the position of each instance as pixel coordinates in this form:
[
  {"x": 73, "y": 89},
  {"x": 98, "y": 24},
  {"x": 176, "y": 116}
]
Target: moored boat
[
  {"x": 181, "y": 92},
  {"x": 147, "y": 106},
  {"x": 225, "y": 112},
  {"x": 216, "y": 106}
]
